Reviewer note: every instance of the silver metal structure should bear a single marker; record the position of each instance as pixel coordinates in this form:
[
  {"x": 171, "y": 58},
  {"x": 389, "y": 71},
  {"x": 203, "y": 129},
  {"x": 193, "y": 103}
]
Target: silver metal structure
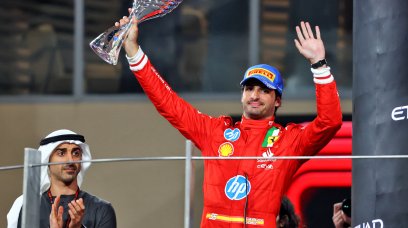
[
  {"x": 254, "y": 31},
  {"x": 31, "y": 189},
  {"x": 32, "y": 170},
  {"x": 188, "y": 185}
]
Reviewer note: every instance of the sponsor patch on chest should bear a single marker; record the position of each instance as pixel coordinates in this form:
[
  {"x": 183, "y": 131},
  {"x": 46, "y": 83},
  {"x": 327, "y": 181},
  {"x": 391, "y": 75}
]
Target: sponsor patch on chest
[
  {"x": 226, "y": 149},
  {"x": 271, "y": 136},
  {"x": 232, "y": 134},
  {"x": 266, "y": 163},
  {"x": 237, "y": 188}
]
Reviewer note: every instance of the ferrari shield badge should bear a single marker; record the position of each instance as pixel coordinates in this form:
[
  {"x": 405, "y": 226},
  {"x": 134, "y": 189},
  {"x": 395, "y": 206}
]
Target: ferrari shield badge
[{"x": 271, "y": 136}]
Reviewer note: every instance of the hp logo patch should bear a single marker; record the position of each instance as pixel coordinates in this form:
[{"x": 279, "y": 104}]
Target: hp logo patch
[
  {"x": 236, "y": 188},
  {"x": 232, "y": 135}
]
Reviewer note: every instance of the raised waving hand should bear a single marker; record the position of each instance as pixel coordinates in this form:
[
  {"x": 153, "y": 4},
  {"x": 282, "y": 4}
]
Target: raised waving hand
[{"x": 309, "y": 45}]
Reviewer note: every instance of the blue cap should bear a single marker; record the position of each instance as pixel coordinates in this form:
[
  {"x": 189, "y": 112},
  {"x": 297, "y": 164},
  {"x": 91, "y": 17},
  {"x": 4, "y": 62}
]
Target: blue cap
[{"x": 266, "y": 74}]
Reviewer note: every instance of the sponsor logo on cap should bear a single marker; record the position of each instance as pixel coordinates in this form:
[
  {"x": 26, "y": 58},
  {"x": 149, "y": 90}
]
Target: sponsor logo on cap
[
  {"x": 226, "y": 149},
  {"x": 237, "y": 188},
  {"x": 261, "y": 71}
]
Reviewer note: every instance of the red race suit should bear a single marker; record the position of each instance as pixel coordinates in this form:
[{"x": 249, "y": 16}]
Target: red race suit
[{"x": 243, "y": 191}]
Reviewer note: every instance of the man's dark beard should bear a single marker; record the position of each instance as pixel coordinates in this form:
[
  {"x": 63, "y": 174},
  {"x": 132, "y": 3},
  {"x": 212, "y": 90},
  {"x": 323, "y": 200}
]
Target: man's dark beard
[{"x": 69, "y": 181}]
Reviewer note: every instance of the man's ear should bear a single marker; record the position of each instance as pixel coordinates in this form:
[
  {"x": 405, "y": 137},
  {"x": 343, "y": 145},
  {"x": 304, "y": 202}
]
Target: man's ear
[{"x": 278, "y": 101}]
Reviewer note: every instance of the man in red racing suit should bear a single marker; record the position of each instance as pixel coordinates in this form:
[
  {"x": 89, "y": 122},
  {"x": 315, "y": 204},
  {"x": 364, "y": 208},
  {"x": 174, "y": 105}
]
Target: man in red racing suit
[{"x": 247, "y": 193}]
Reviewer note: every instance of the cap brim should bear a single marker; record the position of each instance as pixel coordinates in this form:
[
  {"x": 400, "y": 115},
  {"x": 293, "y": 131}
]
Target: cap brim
[{"x": 262, "y": 79}]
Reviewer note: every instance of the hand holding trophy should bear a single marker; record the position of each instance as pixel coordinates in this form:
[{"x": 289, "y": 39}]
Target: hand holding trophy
[{"x": 108, "y": 44}]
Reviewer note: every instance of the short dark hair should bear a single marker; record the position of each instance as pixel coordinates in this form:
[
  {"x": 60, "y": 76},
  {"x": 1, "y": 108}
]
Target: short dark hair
[{"x": 287, "y": 209}]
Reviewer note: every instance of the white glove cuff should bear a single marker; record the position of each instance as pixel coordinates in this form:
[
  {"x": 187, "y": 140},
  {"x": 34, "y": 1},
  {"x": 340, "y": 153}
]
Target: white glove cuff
[
  {"x": 138, "y": 61},
  {"x": 322, "y": 75}
]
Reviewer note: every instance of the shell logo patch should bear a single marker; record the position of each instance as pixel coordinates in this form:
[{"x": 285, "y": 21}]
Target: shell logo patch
[
  {"x": 261, "y": 71},
  {"x": 226, "y": 149},
  {"x": 232, "y": 135}
]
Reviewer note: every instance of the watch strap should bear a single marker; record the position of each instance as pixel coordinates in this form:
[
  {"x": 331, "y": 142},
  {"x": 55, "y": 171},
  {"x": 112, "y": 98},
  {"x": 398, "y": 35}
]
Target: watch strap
[{"x": 319, "y": 63}]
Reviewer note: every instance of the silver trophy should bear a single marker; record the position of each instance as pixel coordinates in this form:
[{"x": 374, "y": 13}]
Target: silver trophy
[{"x": 108, "y": 44}]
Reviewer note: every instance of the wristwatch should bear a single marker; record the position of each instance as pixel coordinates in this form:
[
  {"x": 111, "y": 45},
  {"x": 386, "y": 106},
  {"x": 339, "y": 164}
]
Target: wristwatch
[{"x": 319, "y": 64}]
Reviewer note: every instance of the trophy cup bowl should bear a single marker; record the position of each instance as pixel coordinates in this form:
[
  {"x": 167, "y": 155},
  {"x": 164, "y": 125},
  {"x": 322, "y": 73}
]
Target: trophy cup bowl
[{"x": 108, "y": 44}]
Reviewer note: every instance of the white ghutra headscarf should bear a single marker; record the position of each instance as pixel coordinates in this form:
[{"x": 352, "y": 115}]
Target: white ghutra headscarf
[{"x": 47, "y": 146}]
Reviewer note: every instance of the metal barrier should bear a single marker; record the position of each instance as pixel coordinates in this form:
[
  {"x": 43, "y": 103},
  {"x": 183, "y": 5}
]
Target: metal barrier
[{"x": 32, "y": 169}]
